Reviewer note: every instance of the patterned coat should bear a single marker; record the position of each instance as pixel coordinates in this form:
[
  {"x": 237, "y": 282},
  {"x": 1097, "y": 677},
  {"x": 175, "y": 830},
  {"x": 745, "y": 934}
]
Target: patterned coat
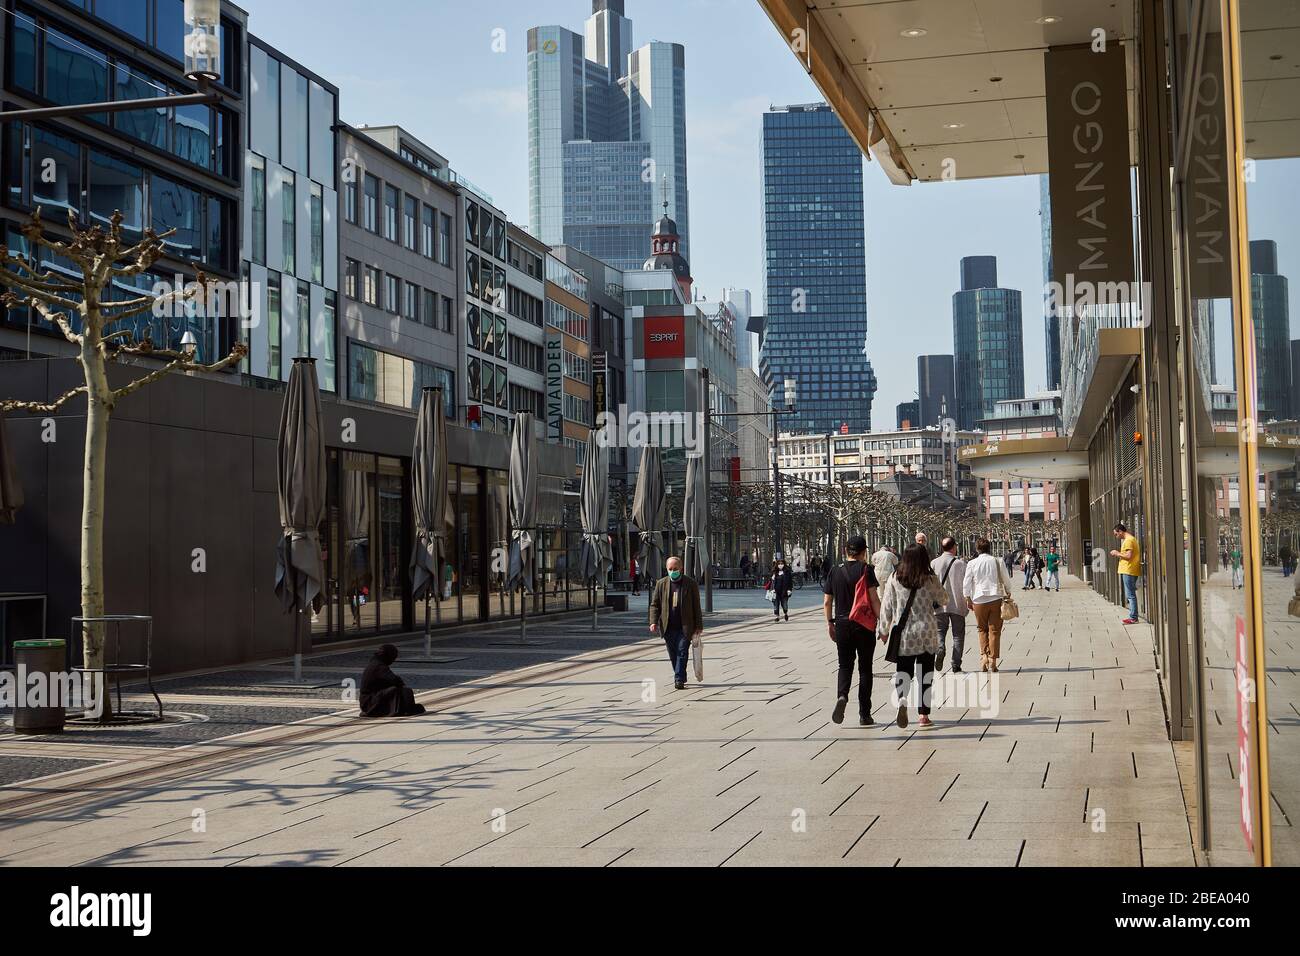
[{"x": 921, "y": 636}]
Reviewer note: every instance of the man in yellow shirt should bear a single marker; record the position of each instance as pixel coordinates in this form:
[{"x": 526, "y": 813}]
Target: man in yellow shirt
[{"x": 1130, "y": 569}]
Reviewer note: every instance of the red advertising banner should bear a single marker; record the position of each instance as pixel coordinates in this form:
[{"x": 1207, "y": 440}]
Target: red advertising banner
[
  {"x": 664, "y": 337},
  {"x": 1245, "y": 698}
]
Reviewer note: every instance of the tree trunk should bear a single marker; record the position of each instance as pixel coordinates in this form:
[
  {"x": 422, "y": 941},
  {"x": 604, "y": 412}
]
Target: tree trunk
[{"x": 98, "y": 409}]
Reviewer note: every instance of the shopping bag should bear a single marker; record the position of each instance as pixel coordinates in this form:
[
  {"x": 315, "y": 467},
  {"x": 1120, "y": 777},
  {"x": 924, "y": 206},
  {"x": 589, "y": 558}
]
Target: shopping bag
[
  {"x": 1010, "y": 609},
  {"x": 770, "y": 595},
  {"x": 697, "y": 657},
  {"x": 1293, "y": 608}
]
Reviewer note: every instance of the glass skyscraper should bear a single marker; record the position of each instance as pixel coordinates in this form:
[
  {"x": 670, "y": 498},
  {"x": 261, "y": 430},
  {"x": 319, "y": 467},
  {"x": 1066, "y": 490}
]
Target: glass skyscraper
[
  {"x": 1268, "y": 303},
  {"x": 988, "y": 340},
  {"x": 815, "y": 282},
  {"x": 606, "y": 137},
  {"x": 1051, "y": 321}
]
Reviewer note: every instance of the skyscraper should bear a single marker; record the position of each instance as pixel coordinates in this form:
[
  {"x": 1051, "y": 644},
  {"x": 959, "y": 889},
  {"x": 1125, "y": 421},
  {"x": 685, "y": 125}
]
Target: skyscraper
[
  {"x": 936, "y": 388},
  {"x": 606, "y": 137},
  {"x": 1268, "y": 301},
  {"x": 909, "y": 414},
  {"x": 1051, "y": 321},
  {"x": 987, "y": 337},
  {"x": 815, "y": 282}
]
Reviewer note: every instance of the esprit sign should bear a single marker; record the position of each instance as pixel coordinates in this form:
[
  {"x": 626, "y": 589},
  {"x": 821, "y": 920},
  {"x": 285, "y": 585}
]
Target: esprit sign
[{"x": 664, "y": 337}]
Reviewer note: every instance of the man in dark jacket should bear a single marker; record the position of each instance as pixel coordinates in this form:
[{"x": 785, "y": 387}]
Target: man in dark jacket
[
  {"x": 675, "y": 613},
  {"x": 383, "y": 693}
]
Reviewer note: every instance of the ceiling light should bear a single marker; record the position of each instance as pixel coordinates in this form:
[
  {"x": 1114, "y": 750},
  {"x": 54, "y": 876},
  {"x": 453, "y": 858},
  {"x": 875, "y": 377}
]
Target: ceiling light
[
  {"x": 953, "y": 125},
  {"x": 1046, "y": 20},
  {"x": 913, "y": 33}
]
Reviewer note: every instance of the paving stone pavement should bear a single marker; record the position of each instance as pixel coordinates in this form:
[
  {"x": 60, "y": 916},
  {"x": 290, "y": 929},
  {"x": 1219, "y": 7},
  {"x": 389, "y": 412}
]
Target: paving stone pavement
[{"x": 597, "y": 761}]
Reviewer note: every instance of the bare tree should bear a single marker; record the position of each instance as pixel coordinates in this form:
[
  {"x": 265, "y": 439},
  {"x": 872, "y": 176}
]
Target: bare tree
[{"x": 102, "y": 256}]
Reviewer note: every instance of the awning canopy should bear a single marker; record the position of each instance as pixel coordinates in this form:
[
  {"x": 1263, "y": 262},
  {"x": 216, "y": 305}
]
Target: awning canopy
[
  {"x": 1026, "y": 459},
  {"x": 932, "y": 80}
]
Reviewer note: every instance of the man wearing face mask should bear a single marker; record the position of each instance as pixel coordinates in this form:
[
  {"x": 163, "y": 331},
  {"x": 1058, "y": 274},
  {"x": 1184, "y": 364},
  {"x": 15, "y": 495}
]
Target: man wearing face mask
[{"x": 675, "y": 613}]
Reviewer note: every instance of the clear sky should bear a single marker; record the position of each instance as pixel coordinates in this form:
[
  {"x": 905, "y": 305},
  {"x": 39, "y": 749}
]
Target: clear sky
[{"x": 436, "y": 68}]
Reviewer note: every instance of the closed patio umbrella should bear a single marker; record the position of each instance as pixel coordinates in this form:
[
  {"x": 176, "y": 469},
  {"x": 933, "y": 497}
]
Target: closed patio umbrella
[
  {"x": 596, "y": 556},
  {"x": 695, "y": 519},
  {"x": 649, "y": 509},
  {"x": 523, "y": 513},
  {"x": 299, "y": 571},
  {"x": 11, "y": 492},
  {"x": 429, "y": 503}
]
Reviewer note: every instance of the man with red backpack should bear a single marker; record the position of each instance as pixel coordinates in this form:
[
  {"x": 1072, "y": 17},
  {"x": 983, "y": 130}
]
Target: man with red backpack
[{"x": 852, "y": 606}]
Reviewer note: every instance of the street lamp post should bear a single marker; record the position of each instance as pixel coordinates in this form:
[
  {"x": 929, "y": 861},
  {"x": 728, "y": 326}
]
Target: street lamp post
[{"x": 202, "y": 65}]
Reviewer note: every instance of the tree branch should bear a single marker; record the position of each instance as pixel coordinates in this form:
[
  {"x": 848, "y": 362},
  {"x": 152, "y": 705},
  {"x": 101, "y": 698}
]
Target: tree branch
[
  {"x": 36, "y": 289},
  {"x": 12, "y": 301},
  {"x": 41, "y": 277},
  {"x": 181, "y": 364},
  {"x": 148, "y": 303},
  {"x": 40, "y": 408}
]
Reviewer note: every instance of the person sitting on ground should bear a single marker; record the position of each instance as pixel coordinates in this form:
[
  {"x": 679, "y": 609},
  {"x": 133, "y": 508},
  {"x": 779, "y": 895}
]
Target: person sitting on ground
[{"x": 383, "y": 693}]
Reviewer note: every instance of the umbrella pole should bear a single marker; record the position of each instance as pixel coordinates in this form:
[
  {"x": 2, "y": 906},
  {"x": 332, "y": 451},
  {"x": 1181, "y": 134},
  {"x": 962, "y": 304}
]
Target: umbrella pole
[
  {"x": 428, "y": 636},
  {"x": 297, "y": 648}
]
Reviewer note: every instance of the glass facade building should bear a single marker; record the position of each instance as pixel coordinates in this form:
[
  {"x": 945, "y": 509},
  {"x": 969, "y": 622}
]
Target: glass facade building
[
  {"x": 987, "y": 337},
  {"x": 815, "y": 281},
  {"x": 1272, "y": 332},
  {"x": 1051, "y": 320},
  {"x": 606, "y": 137}
]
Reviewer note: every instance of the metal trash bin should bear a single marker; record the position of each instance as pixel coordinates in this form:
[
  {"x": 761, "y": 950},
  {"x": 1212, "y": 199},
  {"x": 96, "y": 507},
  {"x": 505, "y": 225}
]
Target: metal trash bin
[{"x": 47, "y": 657}]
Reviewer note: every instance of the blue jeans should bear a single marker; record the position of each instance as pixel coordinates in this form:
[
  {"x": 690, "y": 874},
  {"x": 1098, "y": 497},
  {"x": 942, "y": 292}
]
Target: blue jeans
[
  {"x": 1130, "y": 583},
  {"x": 679, "y": 652}
]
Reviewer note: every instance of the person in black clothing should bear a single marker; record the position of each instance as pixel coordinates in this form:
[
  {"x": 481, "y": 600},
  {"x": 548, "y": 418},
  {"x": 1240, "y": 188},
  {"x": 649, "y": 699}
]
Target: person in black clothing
[
  {"x": 853, "y": 641},
  {"x": 781, "y": 584},
  {"x": 383, "y": 693}
]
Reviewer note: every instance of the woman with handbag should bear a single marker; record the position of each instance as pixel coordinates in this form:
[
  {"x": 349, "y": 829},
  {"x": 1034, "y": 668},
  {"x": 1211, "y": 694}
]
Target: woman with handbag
[
  {"x": 909, "y": 628},
  {"x": 781, "y": 583},
  {"x": 987, "y": 585}
]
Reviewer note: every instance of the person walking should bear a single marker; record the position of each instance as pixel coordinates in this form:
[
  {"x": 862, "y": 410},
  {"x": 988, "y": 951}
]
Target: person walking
[
  {"x": 1038, "y": 567},
  {"x": 1053, "y": 570},
  {"x": 1129, "y": 553},
  {"x": 909, "y": 602},
  {"x": 636, "y": 577},
  {"x": 675, "y": 613},
  {"x": 986, "y": 583},
  {"x": 781, "y": 583},
  {"x": 854, "y": 639},
  {"x": 1238, "y": 574},
  {"x": 951, "y": 571},
  {"x": 883, "y": 562},
  {"x": 744, "y": 567},
  {"x": 1027, "y": 565}
]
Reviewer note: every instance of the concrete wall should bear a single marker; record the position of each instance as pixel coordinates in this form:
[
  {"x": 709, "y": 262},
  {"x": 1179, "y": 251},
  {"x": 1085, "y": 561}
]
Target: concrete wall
[{"x": 191, "y": 464}]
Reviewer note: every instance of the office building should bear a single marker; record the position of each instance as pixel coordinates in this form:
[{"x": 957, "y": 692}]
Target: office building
[
  {"x": 252, "y": 187},
  {"x": 1018, "y": 419},
  {"x": 290, "y": 217},
  {"x": 401, "y": 249},
  {"x": 909, "y": 414},
  {"x": 936, "y": 389},
  {"x": 1051, "y": 320},
  {"x": 1271, "y": 312},
  {"x": 178, "y": 168},
  {"x": 606, "y": 136},
  {"x": 815, "y": 290},
  {"x": 987, "y": 341},
  {"x": 872, "y": 458}
]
